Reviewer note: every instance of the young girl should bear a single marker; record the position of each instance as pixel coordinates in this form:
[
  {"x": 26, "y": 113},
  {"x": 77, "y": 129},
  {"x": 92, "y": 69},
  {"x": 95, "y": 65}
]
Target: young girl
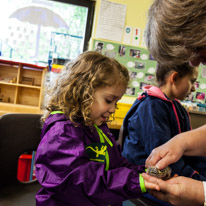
[
  {"x": 157, "y": 116},
  {"x": 78, "y": 161}
]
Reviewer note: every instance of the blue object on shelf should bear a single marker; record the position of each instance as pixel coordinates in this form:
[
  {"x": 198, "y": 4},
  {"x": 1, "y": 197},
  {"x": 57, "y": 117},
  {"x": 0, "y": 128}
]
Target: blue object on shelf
[{"x": 32, "y": 166}]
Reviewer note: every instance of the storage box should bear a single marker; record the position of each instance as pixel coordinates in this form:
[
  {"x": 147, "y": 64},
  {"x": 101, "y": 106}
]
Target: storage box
[
  {"x": 123, "y": 106},
  {"x": 24, "y": 168}
]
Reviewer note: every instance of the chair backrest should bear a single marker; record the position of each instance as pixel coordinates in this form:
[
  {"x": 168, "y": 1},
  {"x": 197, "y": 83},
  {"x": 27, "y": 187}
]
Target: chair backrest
[{"x": 19, "y": 133}]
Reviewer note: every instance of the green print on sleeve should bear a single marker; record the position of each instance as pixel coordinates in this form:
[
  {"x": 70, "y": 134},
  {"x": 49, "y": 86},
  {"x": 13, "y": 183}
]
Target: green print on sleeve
[{"x": 96, "y": 151}]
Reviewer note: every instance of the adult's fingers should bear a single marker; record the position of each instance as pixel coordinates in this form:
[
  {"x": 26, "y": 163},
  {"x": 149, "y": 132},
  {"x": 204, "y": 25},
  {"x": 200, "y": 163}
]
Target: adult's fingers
[
  {"x": 161, "y": 158},
  {"x": 158, "y": 159},
  {"x": 159, "y": 195},
  {"x": 164, "y": 162},
  {"x": 153, "y": 158},
  {"x": 162, "y": 185},
  {"x": 150, "y": 179},
  {"x": 151, "y": 186}
]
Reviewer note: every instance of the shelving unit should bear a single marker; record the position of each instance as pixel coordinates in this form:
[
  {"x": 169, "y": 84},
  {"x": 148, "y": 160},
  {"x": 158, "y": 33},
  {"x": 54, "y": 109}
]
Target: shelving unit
[{"x": 21, "y": 87}]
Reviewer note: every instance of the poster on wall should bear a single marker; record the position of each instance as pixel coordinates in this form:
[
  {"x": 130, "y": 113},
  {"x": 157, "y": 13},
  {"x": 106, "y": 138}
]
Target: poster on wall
[
  {"x": 142, "y": 67},
  {"x": 137, "y": 60}
]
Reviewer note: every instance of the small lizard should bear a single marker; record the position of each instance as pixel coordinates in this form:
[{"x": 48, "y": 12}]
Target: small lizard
[{"x": 162, "y": 174}]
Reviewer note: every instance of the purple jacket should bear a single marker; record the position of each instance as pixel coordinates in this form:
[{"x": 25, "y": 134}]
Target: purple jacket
[{"x": 69, "y": 177}]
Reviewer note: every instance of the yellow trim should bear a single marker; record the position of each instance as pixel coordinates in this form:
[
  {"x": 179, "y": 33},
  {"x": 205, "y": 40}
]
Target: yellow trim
[
  {"x": 103, "y": 137},
  {"x": 142, "y": 185},
  {"x": 57, "y": 112},
  {"x": 98, "y": 160}
]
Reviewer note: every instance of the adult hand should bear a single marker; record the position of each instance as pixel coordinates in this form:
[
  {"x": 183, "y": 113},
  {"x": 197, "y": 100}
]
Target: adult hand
[
  {"x": 151, "y": 185},
  {"x": 165, "y": 154},
  {"x": 180, "y": 191}
]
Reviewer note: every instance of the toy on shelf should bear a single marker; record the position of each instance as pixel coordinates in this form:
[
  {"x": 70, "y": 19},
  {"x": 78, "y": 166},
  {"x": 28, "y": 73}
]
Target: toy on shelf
[
  {"x": 3, "y": 98},
  {"x": 27, "y": 80},
  {"x": 8, "y": 80}
]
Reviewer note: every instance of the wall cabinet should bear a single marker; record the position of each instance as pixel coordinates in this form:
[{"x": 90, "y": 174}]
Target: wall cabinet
[{"x": 21, "y": 87}]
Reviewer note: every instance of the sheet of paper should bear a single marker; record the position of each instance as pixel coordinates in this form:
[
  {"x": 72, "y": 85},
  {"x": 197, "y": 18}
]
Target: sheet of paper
[
  {"x": 136, "y": 36},
  {"x": 111, "y": 21},
  {"x": 127, "y": 35},
  {"x": 143, "y": 43}
]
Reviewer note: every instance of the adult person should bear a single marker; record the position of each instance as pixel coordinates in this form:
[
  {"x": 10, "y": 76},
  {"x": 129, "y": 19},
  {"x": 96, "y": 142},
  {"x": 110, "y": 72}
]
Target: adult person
[
  {"x": 179, "y": 190},
  {"x": 176, "y": 33}
]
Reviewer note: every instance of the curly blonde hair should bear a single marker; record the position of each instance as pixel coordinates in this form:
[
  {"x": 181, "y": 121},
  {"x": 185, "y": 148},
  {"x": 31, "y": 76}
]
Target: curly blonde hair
[
  {"x": 175, "y": 30},
  {"x": 73, "y": 92}
]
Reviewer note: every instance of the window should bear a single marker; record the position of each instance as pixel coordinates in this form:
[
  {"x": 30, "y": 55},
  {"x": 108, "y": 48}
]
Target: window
[{"x": 37, "y": 30}]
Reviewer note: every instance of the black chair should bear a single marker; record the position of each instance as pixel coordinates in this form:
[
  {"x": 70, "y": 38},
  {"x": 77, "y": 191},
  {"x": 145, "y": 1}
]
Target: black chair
[{"x": 19, "y": 133}]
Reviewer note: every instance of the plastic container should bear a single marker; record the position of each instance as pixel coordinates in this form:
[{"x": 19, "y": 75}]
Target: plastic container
[{"x": 24, "y": 168}]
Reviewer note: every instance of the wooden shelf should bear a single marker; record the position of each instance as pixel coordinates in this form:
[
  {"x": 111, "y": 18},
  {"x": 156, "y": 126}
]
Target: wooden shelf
[
  {"x": 28, "y": 86},
  {"x": 7, "y": 83},
  {"x": 18, "y": 108},
  {"x": 21, "y": 87}
]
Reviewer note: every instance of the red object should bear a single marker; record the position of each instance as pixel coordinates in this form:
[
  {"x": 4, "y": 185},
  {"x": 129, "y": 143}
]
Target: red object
[
  {"x": 24, "y": 167},
  {"x": 24, "y": 64}
]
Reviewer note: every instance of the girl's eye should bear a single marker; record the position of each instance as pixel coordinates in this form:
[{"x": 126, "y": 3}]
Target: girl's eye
[{"x": 108, "y": 101}]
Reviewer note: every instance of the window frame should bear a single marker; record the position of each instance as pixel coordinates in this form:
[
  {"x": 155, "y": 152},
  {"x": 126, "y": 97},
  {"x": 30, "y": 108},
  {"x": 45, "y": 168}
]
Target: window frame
[{"x": 90, "y": 4}]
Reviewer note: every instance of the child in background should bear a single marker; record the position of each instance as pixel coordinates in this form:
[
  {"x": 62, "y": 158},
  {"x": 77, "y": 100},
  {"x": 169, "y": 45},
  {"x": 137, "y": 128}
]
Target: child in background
[
  {"x": 157, "y": 116},
  {"x": 77, "y": 160}
]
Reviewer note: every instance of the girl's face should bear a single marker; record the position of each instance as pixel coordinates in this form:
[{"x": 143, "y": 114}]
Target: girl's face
[
  {"x": 105, "y": 100},
  {"x": 184, "y": 86}
]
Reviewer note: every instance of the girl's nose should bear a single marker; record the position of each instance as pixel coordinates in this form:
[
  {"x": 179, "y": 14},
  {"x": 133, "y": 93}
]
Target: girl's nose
[
  {"x": 112, "y": 108},
  {"x": 193, "y": 88}
]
